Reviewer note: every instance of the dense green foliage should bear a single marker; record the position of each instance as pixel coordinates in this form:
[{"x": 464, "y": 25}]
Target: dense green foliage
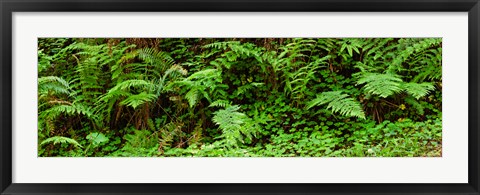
[{"x": 240, "y": 97}]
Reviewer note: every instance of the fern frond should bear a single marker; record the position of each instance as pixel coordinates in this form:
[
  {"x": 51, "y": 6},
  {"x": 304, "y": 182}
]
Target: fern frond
[
  {"x": 192, "y": 96},
  {"x": 199, "y": 85},
  {"x": 61, "y": 140},
  {"x": 136, "y": 83},
  {"x": 221, "y": 45},
  {"x": 136, "y": 100},
  {"x": 112, "y": 95},
  {"x": 67, "y": 109},
  {"x": 351, "y": 44},
  {"x": 234, "y": 125},
  {"x": 174, "y": 72},
  {"x": 338, "y": 102},
  {"x": 418, "y": 90},
  {"x": 176, "y": 69},
  {"x": 245, "y": 50},
  {"x": 159, "y": 59},
  {"x": 220, "y": 103},
  {"x": 429, "y": 72},
  {"x": 247, "y": 87},
  {"x": 90, "y": 60},
  {"x": 53, "y": 83},
  {"x": 383, "y": 85},
  {"x": 205, "y": 74}
]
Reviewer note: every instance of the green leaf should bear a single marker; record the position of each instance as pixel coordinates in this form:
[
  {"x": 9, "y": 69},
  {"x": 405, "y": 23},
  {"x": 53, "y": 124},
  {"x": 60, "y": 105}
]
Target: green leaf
[
  {"x": 138, "y": 99},
  {"x": 338, "y": 102},
  {"x": 418, "y": 90},
  {"x": 234, "y": 125},
  {"x": 383, "y": 85},
  {"x": 60, "y": 140},
  {"x": 97, "y": 138}
]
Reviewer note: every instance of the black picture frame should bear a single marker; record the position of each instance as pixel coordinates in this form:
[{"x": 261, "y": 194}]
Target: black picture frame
[{"x": 10, "y": 6}]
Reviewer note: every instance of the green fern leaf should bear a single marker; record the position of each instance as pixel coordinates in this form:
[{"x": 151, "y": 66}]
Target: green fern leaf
[
  {"x": 220, "y": 103},
  {"x": 161, "y": 60},
  {"x": 60, "y": 140},
  {"x": 192, "y": 96},
  {"x": 234, "y": 125},
  {"x": 67, "y": 109},
  {"x": 135, "y": 83},
  {"x": 418, "y": 90},
  {"x": 383, "y": 85},
  {"x": 221, "y": 45},
  {"x": 53, "y": 83},
  {"x": 338, "y": 102},
  {"x": 138, "y": 99},
  {"x": 205, "y": 74}
]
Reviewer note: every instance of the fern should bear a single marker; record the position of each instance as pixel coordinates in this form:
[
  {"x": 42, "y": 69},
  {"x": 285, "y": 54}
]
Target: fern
[
  {"x": 193, "y": 96},
  {"x": 247, "y": 87},
  {"x": 205, "y": 74},
  {"x": 232, "y": 51},
  {"x": 174, "y": 72},
  {"x": 140, "y": 144},
  {"x": 351, "y": 44},
  {"x": 234, "y": 125},
  {"x": 417, "y": 90},
  {"x": 383, "y": 85},
  {"x": 88, "y": 71},
  {"x": 55, "y": 84},
  {"x": 61, "y": 140},
  {"x": 243, "y": 51},
  {"x": 295, "y": 67},
  {"x": 138, "y": 99},
  {"x": 83, "y": 87},
  {"x": 140, "y": 84},
  {"x": 161, "y": 61},
  {"x": 123, "y": 89},
  {"x": 417, "y": 52},
  {"x": 67, "y": 109},
  {"x": 200, "y": 85},
  {"x": 428, "y": 73},
  {"x": 220, "y": 103},
  {"x": 221, "y": 45},
  {"x": 338, "y": 102},
  {"x": 377, "y": 54}
]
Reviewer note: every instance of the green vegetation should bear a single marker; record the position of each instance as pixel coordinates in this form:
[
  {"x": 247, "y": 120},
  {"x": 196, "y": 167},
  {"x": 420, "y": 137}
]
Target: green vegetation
[{"x": 240, "y": 97}]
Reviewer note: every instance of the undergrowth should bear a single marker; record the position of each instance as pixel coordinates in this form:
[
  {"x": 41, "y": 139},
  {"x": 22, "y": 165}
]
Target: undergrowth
[{"x": 240, "y": 97}]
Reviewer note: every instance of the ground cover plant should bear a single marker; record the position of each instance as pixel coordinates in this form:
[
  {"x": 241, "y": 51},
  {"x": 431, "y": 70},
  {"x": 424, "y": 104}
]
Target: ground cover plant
[{"x": 240, "y": 97}]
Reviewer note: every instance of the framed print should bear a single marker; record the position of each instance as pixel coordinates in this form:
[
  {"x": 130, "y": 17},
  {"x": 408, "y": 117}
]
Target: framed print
[{"x": 239, "y": 97}]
